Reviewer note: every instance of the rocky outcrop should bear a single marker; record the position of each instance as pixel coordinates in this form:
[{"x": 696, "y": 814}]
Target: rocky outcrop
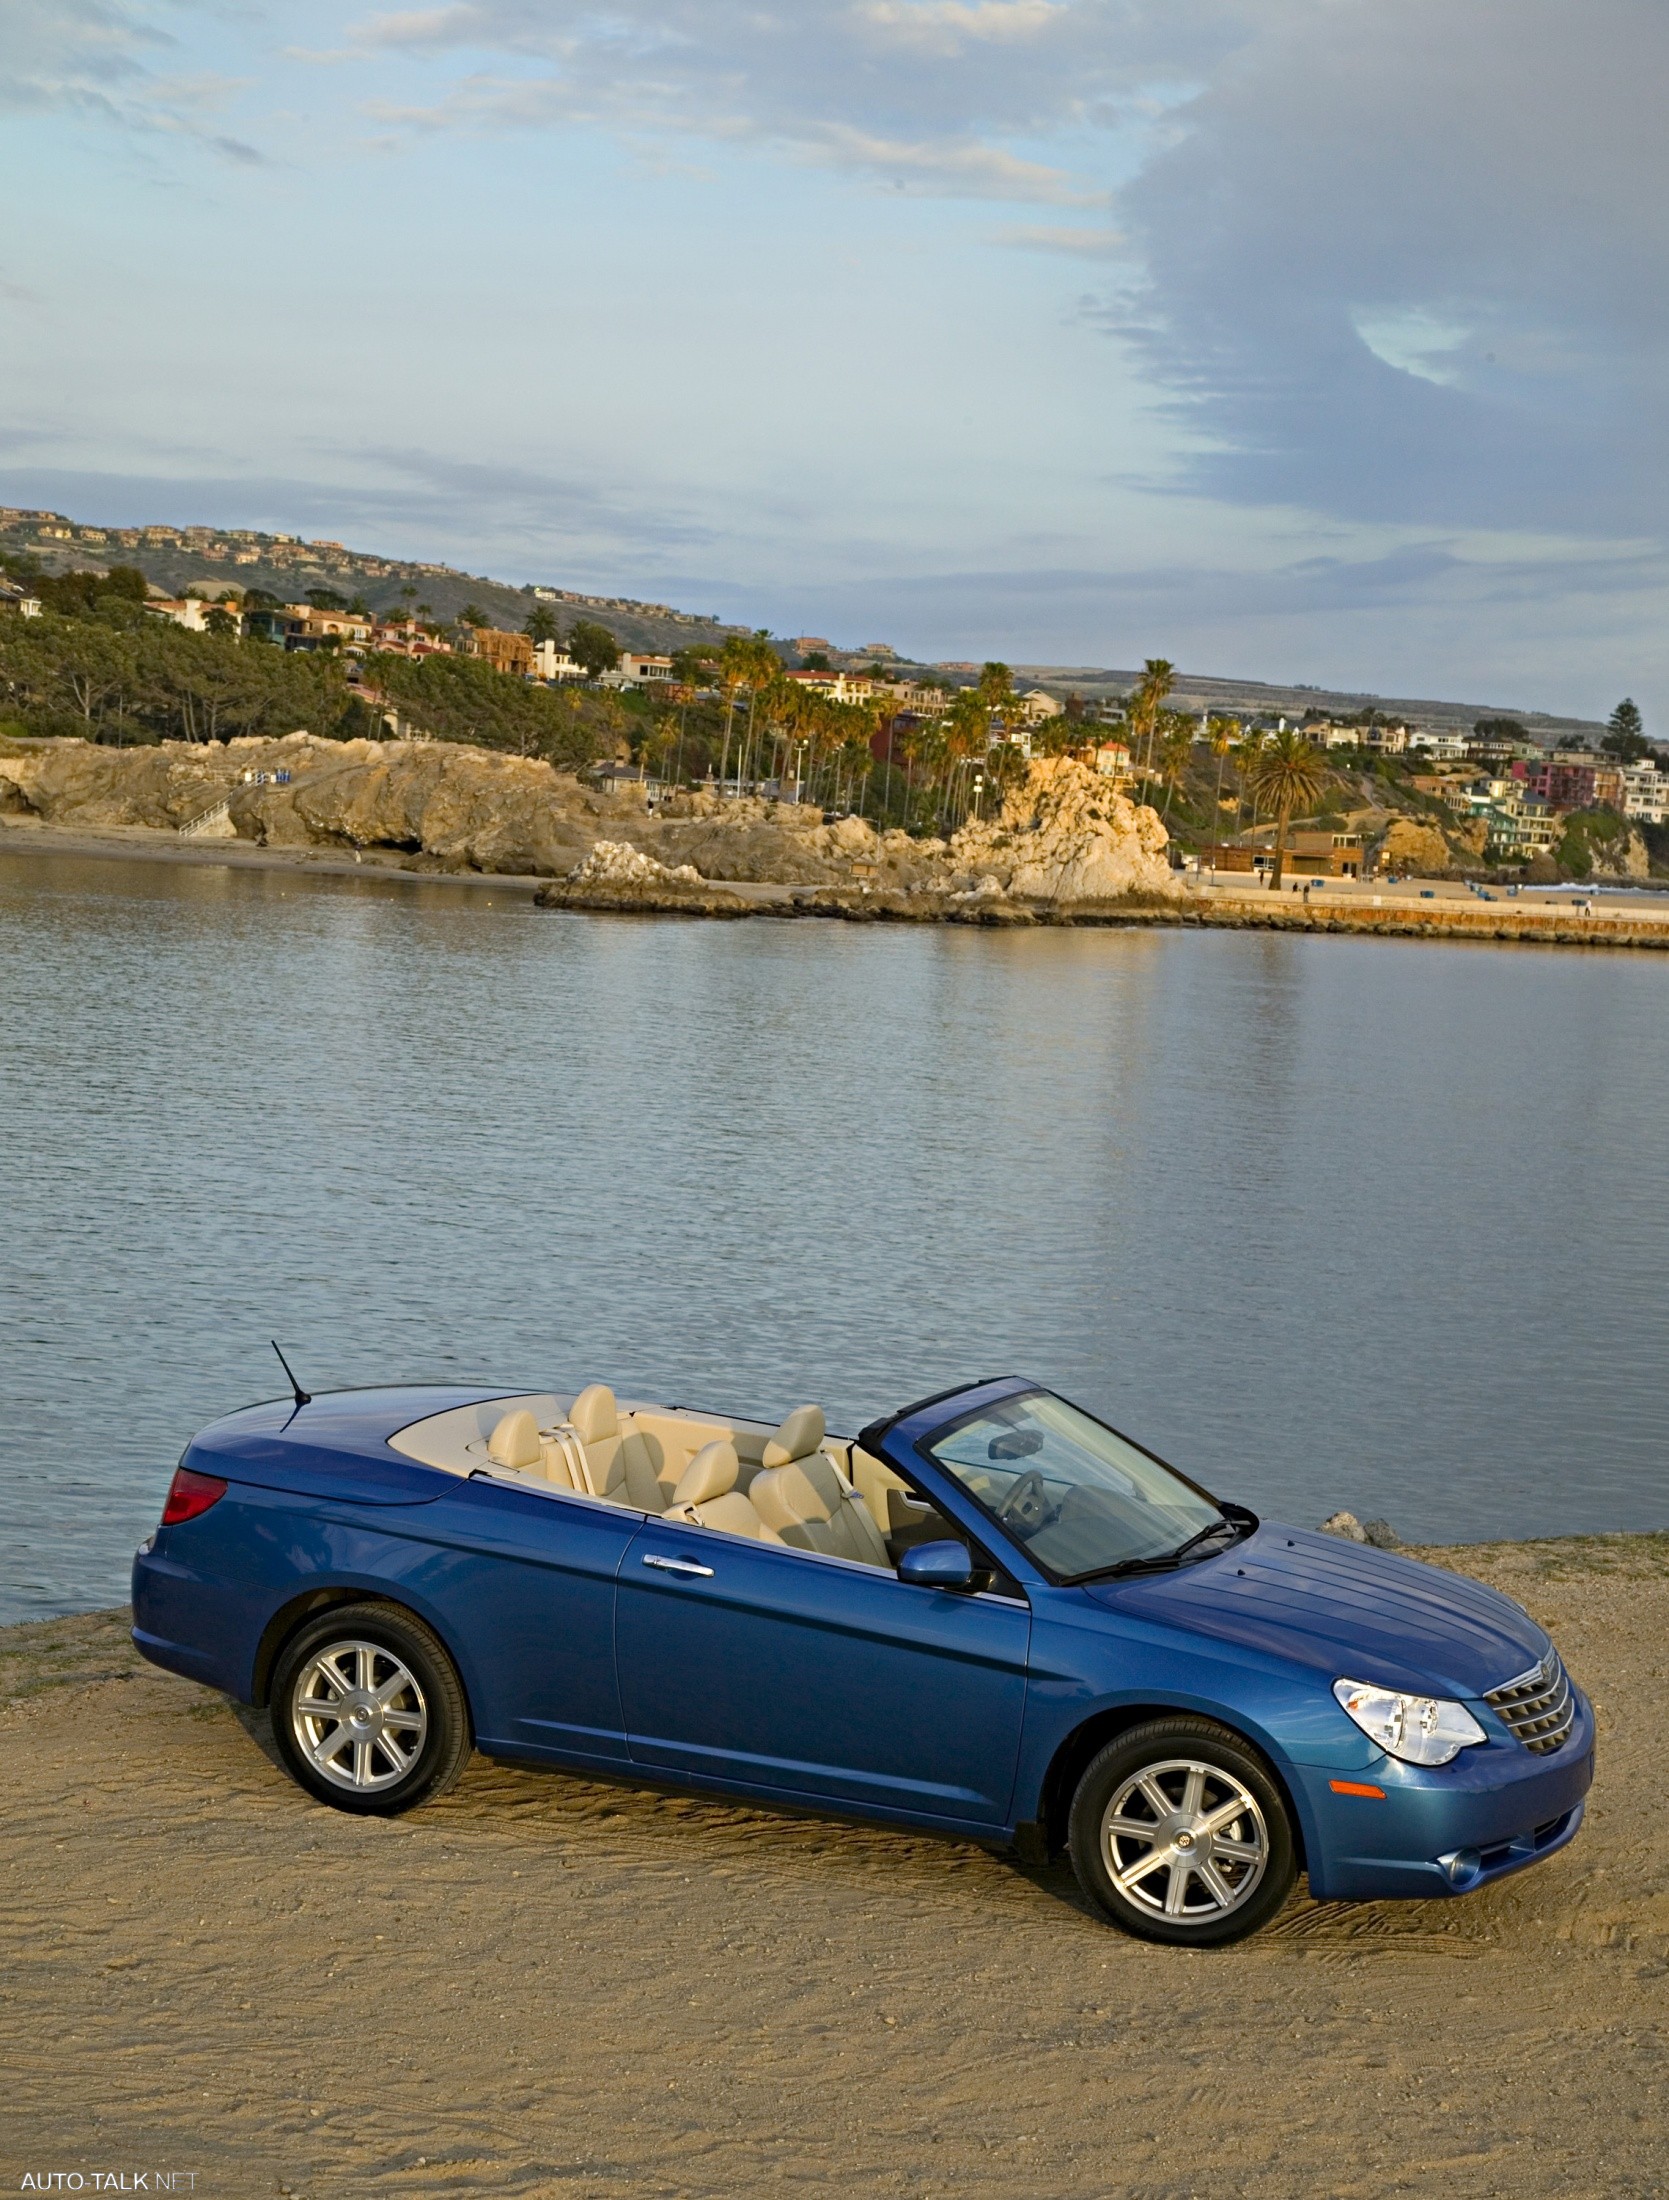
[
  {"x": 617, "y": 876},
  {"x": 618, "y": 863},
  {"x": 1626, "y": 857},
  {"x": 467, "y": 809},
  {"x": 460, "y": 808},
  {"x": 82, "y": 783},
  {"x": 1063, "y": 835},
  {"x": 1413, "y": 848},
  {"x": 1379, "y": 1533}
]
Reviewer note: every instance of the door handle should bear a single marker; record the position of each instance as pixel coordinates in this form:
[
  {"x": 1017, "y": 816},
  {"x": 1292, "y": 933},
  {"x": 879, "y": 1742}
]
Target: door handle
[{"x": 679, "y": 1566}]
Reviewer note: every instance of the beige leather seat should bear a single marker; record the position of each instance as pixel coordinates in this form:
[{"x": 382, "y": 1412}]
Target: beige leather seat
[
  {"x": 518, "y": 1445},
  {"x": 802, "y": 1495},
  {"x": 707, "y": 1495},
  {"x": 515, "y": 1442},
  {"x": 616, "y": 1461}
]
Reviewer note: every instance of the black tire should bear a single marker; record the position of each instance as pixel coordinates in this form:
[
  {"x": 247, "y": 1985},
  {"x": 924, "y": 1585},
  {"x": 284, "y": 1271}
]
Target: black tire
[
  {"x": 372, "y": 1757},
  {"x": 1200, "y": 1770}
]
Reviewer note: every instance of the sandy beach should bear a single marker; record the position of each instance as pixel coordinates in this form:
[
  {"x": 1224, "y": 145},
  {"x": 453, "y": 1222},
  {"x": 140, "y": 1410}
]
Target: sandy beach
[
  {"x": 149, "y": 844},
  {"x": 543, "y": 1985}
]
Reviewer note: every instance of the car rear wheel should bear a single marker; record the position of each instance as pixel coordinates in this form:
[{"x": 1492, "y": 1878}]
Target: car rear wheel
[
  {"x": 368, "y": 1712},
  {"x": 1179, "y": 1833}
]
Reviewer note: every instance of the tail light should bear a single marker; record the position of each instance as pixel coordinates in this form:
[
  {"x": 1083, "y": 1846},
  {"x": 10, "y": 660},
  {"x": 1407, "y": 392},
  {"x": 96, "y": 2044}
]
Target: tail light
[{"x": 190, "y": 1494}]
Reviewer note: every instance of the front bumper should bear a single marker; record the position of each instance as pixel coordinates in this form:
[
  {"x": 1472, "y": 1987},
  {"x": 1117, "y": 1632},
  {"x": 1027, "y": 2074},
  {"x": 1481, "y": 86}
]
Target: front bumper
[{"x": 1448, "y": 1830}]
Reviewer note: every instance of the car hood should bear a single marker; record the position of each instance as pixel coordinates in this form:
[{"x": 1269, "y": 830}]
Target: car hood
[{"x": 1344, "y": 1609}]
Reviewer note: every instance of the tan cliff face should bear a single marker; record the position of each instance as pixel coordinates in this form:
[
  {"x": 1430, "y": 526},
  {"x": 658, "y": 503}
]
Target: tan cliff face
[
  {"x": 1063, "y": 834},
  {"x": 1413, "y": 847}
]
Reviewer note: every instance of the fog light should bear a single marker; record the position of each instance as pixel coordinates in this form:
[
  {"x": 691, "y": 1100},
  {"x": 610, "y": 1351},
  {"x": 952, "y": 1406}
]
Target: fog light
[{"x": 1461, "y": 1867}]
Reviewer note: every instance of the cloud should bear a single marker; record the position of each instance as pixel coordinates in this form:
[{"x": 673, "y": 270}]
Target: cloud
[
  {"x": 402, "y": 497},
  {"x": 89, "y": 54},
  {"x": 1408, "y": 578},
  {"x": 1400, "y": 264},
  {"x": 1384, "y": 273},
  {"x": 1086, "y": 244},
  {"x": 1504, "y": 626},
  {"x": 1387, "y": 260},
  {"x": 958, "y": 97},
  {"x": 945, "y": 26},
  {"x": 947, "y": 170},
  {"x": 96, "y": 59}
]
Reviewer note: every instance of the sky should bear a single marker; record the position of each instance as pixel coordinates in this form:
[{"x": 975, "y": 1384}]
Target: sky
[{"x": 1311, "y": 340}]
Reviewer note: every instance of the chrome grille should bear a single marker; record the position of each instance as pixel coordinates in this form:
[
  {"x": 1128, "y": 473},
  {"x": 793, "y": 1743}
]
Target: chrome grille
[{"x": 1538, "y": 1706}]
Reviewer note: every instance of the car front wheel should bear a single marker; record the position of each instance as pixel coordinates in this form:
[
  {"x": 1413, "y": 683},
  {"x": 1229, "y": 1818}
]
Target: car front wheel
[
  {"x": 368, "y": 1712},
  {"x": 1179, "y": 1833}
]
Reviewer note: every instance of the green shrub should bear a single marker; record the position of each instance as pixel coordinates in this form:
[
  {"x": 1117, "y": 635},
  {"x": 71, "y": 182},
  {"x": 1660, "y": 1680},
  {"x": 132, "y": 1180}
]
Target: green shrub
[
  {"x": 1586, "y": 832},
  {"x": 117, "y": 675},
  {"x": 463, "y": 699}
]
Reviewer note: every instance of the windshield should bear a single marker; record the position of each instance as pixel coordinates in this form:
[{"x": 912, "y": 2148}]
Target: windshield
[{"x": 1076, "y": 1497}]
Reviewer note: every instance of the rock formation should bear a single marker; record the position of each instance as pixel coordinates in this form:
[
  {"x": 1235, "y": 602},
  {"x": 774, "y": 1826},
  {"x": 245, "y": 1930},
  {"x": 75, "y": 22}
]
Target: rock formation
[
  {"x": 618, "y": 863},
  {"x": 1063, "y": 834},
  {"x": 1626, "y": 857},
  {"x": 1411, "y": 846},
  {"x": 81, "y": 783}
]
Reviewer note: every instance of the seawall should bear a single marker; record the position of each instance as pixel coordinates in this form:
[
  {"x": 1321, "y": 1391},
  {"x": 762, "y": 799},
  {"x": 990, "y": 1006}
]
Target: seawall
[{"x": 1549, "y": 927}]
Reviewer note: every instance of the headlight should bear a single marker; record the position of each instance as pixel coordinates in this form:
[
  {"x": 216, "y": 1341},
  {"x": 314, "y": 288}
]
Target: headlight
[{"x": 1421, "y": 1730}]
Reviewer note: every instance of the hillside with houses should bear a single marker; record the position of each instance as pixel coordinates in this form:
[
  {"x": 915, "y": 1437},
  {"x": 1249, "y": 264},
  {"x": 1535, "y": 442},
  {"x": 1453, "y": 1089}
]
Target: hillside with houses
[{"x": 137, "y": 634}]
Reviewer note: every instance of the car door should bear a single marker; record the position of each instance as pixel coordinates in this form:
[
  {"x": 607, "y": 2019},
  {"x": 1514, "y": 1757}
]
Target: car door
[
  {"x": 524, "y": 1587},
  {"x": 776, "y": 1668}
]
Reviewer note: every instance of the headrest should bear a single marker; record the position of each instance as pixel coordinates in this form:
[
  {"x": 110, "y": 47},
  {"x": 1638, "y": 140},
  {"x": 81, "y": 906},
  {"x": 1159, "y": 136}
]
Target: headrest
[
  {"x": 515, "y": 1441},
  {"x": 785, "y": 1497},
  {"x": 709, "y": 1474},
  {"x": 801, "y": 1433},
  {"x": 592, "y": 1415}
]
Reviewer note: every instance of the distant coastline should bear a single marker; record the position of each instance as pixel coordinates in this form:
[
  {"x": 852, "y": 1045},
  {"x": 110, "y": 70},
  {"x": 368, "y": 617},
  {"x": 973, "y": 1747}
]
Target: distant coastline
[
  {"x": 181, "y": 556},
  {"x": 1624, "y": 920}
]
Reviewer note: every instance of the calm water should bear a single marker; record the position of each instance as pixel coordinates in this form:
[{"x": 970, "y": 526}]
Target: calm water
[{"x": 1328, "y": 1222}]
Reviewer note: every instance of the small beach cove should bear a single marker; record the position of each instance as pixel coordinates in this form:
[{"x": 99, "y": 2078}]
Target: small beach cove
[{"x": 478, "y": 1998}]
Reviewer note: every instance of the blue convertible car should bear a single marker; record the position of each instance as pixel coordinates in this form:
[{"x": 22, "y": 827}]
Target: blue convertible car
[{"x": 987, "y": 1614}]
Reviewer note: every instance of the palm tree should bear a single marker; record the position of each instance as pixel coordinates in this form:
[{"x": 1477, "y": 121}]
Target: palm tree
[
  {"x": 1288, "y": 774},
  {"x": 1176, "y": 747},
  {"x": 1142, "y": 711},
  {"x": 1251, "y": 748},
  {"x": 1220, "y": 736}
]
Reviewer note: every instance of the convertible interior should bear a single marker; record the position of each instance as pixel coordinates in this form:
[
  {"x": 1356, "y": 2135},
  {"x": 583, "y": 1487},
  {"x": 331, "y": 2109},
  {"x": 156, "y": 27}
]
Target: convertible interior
[{"x": 794, "y": 1484}]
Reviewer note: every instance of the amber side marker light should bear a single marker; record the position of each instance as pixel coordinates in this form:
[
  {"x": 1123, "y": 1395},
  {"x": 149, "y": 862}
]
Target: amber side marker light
[
  {"x": 1339, "y": 1787},
  {"x": 190, "y": 1494}
]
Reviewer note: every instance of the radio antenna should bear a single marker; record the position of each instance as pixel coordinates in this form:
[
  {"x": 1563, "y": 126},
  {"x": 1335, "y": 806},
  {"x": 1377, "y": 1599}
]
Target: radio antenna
[{"x": 303, "y": 1397}]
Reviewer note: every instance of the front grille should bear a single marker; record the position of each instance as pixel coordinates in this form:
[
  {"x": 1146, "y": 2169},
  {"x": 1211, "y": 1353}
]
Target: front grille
[{"x": 1538, "y": 1706}]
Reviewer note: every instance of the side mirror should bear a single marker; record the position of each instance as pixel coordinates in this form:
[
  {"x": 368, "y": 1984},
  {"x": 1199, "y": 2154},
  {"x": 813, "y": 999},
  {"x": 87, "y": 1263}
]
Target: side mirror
[{"x": 937, "y": 1566}]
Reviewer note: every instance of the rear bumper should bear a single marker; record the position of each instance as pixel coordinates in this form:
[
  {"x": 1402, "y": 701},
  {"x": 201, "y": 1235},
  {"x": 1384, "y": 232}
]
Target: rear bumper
[
  {"x": 1448, "y": 1831},
  {"x": 188, "y": 1625}
]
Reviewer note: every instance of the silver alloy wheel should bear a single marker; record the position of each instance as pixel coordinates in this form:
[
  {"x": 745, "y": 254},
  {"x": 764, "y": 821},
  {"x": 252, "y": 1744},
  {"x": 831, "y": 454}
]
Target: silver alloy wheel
[
  {"x": 359, "y": 1716},
  {"x": 1185, "y": 1840}
]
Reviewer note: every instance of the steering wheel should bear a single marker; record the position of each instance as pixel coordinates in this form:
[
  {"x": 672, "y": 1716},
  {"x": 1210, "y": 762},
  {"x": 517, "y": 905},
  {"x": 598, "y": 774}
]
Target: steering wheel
[{"x": 1026, "y": 1507}]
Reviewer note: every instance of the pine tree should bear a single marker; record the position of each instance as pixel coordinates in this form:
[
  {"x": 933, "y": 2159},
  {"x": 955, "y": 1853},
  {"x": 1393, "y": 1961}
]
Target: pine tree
[{"x": 1625, "y": 732}]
